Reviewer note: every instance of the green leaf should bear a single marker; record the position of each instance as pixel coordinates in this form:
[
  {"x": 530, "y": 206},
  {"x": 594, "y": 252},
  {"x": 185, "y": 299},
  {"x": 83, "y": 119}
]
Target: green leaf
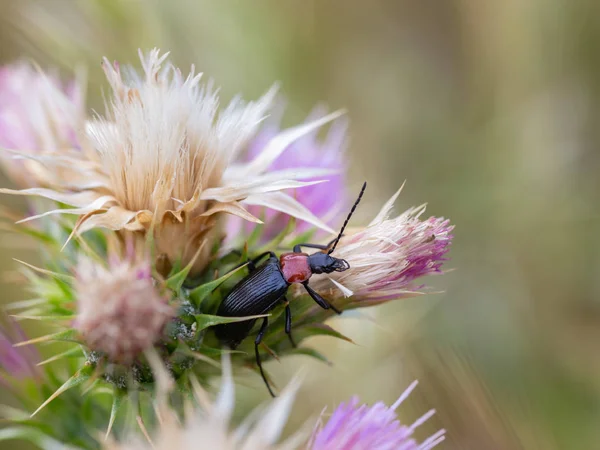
[
  {"x": 176, "y": 281},
  {"x": 25, "y": 303},
  {"x": 306, "y": 351},
  {"x": 199, "y": 294},
  {"x": 303, "y": 238},
  {"x": 69, "y": 335},
  {"x": 118, "y": 396},
  {"x": 59, "y": 276},
  {"x": 32, "y": 435},
  {"x": 82, "y": 375},
  {"x": 214, "y": 352},
  {"x": 44, "y": 238},
  {"x": 277, "y": 240},
  {"x": 254, "y": 237},
  {"x": 75, "y": 351},
  {"x": 42, "y": 318},
  {"x": 13, "y": 414},
  {"x": 201, "y": 357},
  {"x": 321, "y": 329},
  {"x": 204, "y": 321}
]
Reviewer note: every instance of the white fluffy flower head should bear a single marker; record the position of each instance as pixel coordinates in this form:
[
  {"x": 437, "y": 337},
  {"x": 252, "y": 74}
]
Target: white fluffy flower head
[
  {"x": 209, "y": 425},
  {"x": 164, "y": 158}
]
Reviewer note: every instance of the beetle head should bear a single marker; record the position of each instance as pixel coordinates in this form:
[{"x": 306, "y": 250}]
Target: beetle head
[{"x": 324, "y": 263}]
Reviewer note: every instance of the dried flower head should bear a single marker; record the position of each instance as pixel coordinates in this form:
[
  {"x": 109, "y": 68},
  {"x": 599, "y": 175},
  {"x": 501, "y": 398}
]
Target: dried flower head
[
  {"x": 209, "y": 426},
  {"x": 164, "y": 156},
  {"x": 308, "y": 151},
  {"x": 120, "y": 312},
  {"x": 38, "y": 116},
  {"x": 389, "y": 255},
  {"x": 361, "y": 427}
]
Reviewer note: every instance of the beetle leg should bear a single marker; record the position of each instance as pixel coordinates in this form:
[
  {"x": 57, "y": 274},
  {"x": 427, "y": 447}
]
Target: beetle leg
[
  {"x": 320, "y": 300},
  {"x": 257, "y": 341},
  {"x": 251, "y": 262},
  {"x": 254, "y": 261},
  {"x": 297, "y": 248},
  {"x": 288, "y": 322}
]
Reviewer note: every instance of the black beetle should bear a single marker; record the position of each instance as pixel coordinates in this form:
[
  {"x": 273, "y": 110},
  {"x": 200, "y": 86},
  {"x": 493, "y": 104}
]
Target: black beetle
[{"x": 265, "y": 287}]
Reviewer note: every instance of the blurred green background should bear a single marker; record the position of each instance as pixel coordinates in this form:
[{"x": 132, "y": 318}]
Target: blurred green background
[{"x": 489, "y": 110}]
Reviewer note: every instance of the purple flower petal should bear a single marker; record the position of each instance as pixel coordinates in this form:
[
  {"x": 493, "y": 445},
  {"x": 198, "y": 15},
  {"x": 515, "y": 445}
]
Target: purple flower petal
[
  {"x": 362, "y": 427},
  {"x": 17, "y": 362},
  {"x": 37, "y": 114},
  {"x": 325, "y": 201}
]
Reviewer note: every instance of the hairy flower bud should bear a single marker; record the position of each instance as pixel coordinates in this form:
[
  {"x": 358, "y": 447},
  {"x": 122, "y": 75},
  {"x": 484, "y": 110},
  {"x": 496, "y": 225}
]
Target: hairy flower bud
[{"x": 120, "y": 311}]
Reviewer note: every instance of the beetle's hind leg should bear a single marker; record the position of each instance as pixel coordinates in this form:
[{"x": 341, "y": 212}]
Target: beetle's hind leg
[
  {"x": 257, "y": 341},
  {"x": 252, "y": 263},
  {"x": 288, "y": 322}
]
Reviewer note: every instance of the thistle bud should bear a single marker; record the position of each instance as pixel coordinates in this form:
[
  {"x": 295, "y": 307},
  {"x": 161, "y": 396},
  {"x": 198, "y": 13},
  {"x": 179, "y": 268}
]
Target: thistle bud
[
  {"x": 388, "y": 256},
  {"x": 120, "y": 310}
]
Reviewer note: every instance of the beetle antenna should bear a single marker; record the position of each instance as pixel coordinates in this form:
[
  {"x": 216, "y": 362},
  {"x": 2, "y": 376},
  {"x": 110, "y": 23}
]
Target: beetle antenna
[{"x": 335, "y": 243}]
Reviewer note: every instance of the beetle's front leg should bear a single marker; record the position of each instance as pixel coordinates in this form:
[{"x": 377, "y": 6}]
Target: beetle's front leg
[
  {"x": 298, "y": 247},
  {"x": 257, "y": 341},
  {"x": 320, "y": 300}
]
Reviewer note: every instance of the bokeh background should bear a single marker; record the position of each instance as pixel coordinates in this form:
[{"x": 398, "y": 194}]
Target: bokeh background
[{"x": 489, "y": 110}]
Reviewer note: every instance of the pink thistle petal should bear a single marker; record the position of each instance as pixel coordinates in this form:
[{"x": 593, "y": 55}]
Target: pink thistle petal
[
  {"x": 38, "y": 114},
  {"x": 17, "y": 362},
  {"x": 362, "y": 427},
  {"x": 388, "y": 256},
  {"x": 307, "y": 152}
]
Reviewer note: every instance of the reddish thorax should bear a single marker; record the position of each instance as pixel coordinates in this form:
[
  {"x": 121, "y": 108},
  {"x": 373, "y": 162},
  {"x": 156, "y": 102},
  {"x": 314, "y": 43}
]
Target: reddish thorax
[{"x": 295, "y": 267}]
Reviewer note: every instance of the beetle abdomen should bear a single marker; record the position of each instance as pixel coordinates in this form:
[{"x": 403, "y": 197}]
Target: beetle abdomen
[{"x": 258, "y": 293}]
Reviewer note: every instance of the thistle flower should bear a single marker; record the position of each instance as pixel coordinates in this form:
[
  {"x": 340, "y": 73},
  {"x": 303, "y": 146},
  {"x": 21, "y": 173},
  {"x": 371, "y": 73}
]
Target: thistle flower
[
  {"x": 308, "y": 151},
  {"x": 16, "y": 362},
  {"x": 120, "y": 312},
  {"x": 209, "y": 427},
  {"x": 38, "y": 115},
  {"x": 164, "y": 167},
  {"x": 388, "y": 256},
  {"x": 163, "y": 157},
  {"x": 361, "y": 427}
]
